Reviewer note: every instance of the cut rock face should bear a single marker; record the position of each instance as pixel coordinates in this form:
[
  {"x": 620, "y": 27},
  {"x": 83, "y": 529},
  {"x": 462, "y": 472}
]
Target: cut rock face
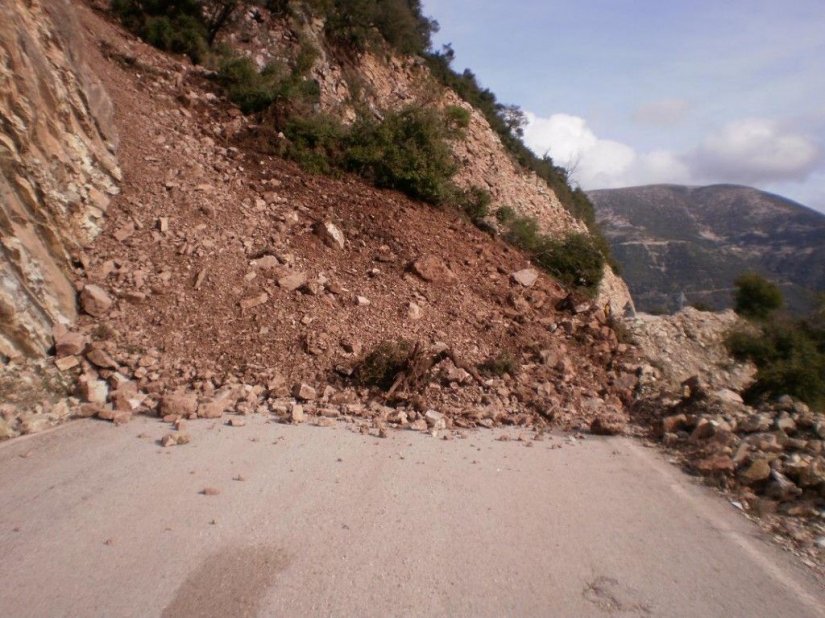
[{"x": 58, "y": 171}]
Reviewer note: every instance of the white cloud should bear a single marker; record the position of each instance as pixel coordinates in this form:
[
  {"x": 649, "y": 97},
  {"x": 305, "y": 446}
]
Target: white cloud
[
  {"x": 751, "y": 151},
  {"x": 662, "y": 113},
  {"x": 597, "y": 163},
  {"x": 755, "y": 150}
]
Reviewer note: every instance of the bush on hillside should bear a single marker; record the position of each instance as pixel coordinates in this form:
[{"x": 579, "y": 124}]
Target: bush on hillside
[
  {"x": 380, "y": 367},
  {"x": 408, "y": 150},
  {"x": 282, "y": 91},
  {"x": 789, "y": 353},
  {"x": 179, "y": 26},
  {"x": 505, "y": 214},
  {"x": 457, "y": 117},
  {"x": 474, "y": 202},
  {"x": 362, "y": 24},
  {"x": 250, "y": 89},
  {"x": 756, "y": 297},
  {"x": 575, "y": 260},
  {"x": 315, "y": 142},
  {"x": 789, "y": 356}
]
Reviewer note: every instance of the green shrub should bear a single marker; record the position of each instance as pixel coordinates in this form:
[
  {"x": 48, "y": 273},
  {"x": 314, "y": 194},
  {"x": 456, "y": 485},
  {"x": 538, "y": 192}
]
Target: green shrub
[
  {"x": 789, "y": 355},
  {"x": 315, "y": 142},
  {"x": 276, "y": 85},
  {"x": 523, "y": 232},
  {"x": 474, "y": 202},
  {"x": 749, "y": 345},
  {"x": 756, "y": 297},
  {"x": 498, "y": 365},
  {"x": 307, "y": 55},
  {"x": 250, "y": 89},
  {"x": 181, "y": 26},
  {"x": 575, "y": 260},
  {"x": 505, "y": 215},
  {"x": 279, "y": 8},
  {"x": 408, "y": 150},
  {"x": 182, "y": 36},
  {"x": 380, "y": 367},
  {"x": 177, "y": 26},
  {"x": 457, "y": 117},
  {"x": 361, "y": 24}
]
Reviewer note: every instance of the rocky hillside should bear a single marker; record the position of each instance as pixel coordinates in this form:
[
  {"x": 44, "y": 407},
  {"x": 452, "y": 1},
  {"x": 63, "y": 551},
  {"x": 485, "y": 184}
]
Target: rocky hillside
[
  {"x": 226, "y": 280},
  {"x": 671, "y": 239},
  {"x": 54, "y": 109}
]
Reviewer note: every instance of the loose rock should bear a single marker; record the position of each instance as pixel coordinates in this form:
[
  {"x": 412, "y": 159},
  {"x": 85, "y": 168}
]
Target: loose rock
[
  {"x": 526, "y": 277},
  {"x": 95, "y": 301}
]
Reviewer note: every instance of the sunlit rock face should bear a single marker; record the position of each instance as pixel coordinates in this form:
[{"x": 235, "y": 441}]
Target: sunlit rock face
[{"x": 57, "y": 168}]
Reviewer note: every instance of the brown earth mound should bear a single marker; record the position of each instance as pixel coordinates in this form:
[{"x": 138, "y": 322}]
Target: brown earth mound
[{"x": 229, "y": 281}]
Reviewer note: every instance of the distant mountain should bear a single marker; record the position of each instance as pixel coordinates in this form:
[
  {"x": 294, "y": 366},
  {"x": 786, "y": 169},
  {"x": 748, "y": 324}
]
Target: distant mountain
[{"x": 671, "y": 239}]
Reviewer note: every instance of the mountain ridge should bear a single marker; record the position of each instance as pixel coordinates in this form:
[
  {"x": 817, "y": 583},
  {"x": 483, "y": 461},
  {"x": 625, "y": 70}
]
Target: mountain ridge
[{"x": 672, "y": 239}]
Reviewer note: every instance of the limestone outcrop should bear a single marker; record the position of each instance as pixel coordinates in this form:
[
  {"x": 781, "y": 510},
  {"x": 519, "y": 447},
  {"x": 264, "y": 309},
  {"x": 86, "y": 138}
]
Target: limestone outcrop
[{"x": 57, "y": 168}]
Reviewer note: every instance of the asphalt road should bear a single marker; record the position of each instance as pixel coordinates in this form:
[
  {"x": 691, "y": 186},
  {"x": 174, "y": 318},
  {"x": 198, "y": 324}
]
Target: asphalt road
[{"x": 97, "y": 520}]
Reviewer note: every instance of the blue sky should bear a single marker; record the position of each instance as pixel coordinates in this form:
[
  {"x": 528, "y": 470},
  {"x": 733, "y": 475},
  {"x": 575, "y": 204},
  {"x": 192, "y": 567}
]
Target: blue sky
[{"x": 635, "y": 91}]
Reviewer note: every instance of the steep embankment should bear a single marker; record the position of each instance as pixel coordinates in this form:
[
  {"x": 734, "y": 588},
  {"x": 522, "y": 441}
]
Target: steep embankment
[
  {"x": 391, "y": 81},
  {"x": 227, "y": 281},
  {"x": 671, "y": 239},
  {"x": 57, "y": 168},
  {"x": 385, "y": 80}
]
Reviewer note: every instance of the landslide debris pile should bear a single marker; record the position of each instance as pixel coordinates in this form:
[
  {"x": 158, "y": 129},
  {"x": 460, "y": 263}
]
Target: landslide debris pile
[
  {"x": 230, "y": 282},
  {"x": 770, "y": 455}
]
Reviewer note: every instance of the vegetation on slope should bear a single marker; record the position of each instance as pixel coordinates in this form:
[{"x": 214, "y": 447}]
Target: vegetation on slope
[
  {"x": 407, "y": 150},
  {"x": 789, "y": 353},
  {"x": 575, "y": 260},
  {"x": 756, "y": 297},
  {"x": 508, "y": 122}
]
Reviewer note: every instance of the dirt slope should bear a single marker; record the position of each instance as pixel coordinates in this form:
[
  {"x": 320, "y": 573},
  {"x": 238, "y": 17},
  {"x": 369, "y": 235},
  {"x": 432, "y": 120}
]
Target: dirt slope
[{"x": 211, "y": 280}]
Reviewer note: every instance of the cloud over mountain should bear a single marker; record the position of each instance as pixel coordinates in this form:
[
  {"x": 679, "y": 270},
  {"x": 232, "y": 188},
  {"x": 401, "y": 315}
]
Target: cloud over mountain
[
  {"x": 755, "y": 150},
  {"x": 748, "y": 151},
  {"x": 595, "y": 162}
]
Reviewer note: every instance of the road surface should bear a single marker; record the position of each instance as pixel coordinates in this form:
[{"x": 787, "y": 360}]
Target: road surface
[{"x": 98, "y": 520}]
